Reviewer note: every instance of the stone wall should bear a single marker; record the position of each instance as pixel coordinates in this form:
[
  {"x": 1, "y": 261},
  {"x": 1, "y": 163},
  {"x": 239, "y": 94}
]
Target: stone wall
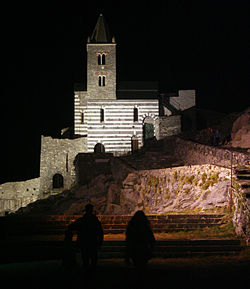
[
  {"x": 194, "y": 153},
  {"x": 57, "y": 157},
  {"x": 14, "y": 195},
  {"x": 167, "y": 126}
]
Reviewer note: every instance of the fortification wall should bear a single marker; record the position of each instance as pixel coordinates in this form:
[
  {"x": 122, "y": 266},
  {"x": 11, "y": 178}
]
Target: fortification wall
[
  {"x": 14, "y": 195},
  {"x": 194, "y": 153},
  {"x": 57, "y": 157}
]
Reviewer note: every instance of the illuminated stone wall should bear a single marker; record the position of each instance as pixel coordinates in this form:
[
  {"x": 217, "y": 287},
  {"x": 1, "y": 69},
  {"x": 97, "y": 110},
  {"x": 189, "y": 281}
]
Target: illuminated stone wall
[
  {"x": 14, "y": 195},
  {"x": 57, "y": 157}
]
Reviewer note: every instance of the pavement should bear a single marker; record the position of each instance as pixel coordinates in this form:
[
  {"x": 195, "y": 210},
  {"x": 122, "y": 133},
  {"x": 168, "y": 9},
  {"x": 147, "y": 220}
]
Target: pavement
[{"x": 186, "y": 273}]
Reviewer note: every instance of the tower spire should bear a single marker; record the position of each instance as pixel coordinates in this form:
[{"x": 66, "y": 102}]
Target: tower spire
[{"x": 101, "y": 33}]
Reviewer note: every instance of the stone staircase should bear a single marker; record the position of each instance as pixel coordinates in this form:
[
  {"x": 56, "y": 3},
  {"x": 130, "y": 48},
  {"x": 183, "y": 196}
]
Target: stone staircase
[
  {"x": 27, "y": 238},
  {"x": 16, "y": 226},
  {"x": 26, "y": 251},
  {"x": 177, "y": 248},
  {"x": 243, "y": 177}
]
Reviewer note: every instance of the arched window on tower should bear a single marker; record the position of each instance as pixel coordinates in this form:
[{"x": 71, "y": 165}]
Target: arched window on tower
[
  {"x": 103, "y": 59},
  {"x": 102, "y": 80},
  {"x": 99, "y": 59}
]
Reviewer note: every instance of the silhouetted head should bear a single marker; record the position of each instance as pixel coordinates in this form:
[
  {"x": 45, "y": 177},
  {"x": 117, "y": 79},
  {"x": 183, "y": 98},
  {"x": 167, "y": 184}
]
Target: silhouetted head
[
  {"x": 89, "y": 209},
  {"x": 140, "y": 215},
  {"x": 139, "y": 219}
]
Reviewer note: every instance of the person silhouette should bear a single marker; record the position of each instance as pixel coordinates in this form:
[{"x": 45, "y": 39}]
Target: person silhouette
[
  {"x": 139, "y": 244},
  {"x": 89, "y": 237}
]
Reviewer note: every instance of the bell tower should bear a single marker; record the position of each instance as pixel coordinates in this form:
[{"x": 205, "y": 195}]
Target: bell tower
[{"x": 101, "y": 62}]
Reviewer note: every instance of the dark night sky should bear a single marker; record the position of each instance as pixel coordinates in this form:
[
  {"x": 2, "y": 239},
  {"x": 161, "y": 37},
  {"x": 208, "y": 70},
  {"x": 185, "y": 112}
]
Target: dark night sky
[{"x": 183, "y": 44}]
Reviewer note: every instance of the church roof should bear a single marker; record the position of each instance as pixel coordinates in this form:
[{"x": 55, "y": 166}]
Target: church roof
[
  {"x": 101, "y": 33},
  {"x": 131, "y": 89},
  {"x": 137, "y": 90}
]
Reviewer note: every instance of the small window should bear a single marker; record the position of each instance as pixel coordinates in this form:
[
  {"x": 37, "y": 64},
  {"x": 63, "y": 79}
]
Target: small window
[
  {"x": 102, "y": 115},
  {"x": 102, "y": 80},
  {"x": 99, "y": 59},
  {"x": 103, "y": 59},
  {"x": 135, "y": 114},
  {"x": 82, "y": 117}
]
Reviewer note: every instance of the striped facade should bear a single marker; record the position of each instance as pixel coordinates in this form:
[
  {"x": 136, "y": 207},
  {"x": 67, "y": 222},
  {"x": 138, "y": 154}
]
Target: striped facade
[{"x": 118, "y": 126}]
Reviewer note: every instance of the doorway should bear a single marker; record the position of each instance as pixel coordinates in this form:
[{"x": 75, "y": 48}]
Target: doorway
[
  {"x": 57, "y": 181},
  {"x": 148, "y": 129}
]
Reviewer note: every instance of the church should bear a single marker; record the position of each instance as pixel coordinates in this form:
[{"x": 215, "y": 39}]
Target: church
[
  {"x": 115, "y": 117},
  {"x": 110, "y": 116}
]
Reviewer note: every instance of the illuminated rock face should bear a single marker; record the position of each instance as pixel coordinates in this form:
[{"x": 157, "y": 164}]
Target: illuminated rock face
[{"x": 188, "y": 188}]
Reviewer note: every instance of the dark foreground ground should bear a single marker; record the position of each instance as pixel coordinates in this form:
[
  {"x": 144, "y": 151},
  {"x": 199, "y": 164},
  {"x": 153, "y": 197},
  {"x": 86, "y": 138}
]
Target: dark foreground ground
[{"x": 212, "y": 272}]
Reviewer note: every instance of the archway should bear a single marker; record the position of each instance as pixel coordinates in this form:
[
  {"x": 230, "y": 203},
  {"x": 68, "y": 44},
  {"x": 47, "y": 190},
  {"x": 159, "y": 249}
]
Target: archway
[
  {"x": 57, "y": 181},
  {"x": 148, "y": 129},
  {"x": 99, "y": 148}
]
